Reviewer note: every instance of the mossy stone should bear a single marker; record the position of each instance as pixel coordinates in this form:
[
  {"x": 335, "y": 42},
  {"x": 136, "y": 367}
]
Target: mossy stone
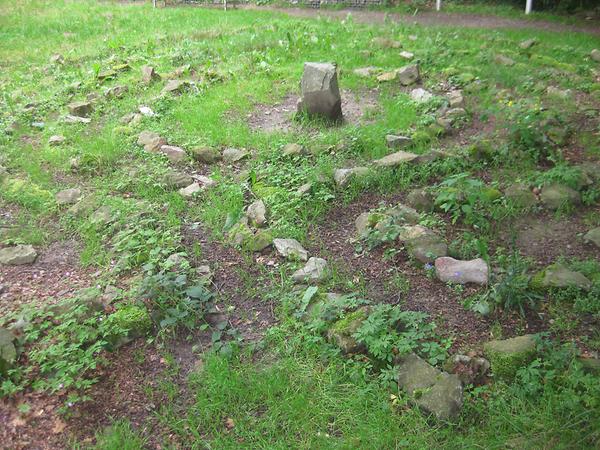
[
  {"x": 132, "y": 322},
  {"x": 342, "y": 330},
  {"x": 509, "y": 355}
]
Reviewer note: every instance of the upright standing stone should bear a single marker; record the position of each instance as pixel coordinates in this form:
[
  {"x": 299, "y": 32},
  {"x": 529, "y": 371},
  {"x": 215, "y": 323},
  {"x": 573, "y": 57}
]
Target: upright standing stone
[{"x": 320, "y": 91}]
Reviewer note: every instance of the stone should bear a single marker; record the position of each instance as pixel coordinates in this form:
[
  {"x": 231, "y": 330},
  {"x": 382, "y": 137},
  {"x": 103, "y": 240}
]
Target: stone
[
  {"x": 528, "y": 43},
  {"x": 146, "y": 111},
  {"x": 176, "y": 86},
  {"x": 456, "y": 99},
  {"x": 102, "y": 216},
  {"x": 435, "y": 392},
  {"x": 403, "y": 213},
  {"x": 320, "y": 92},
  {"x": 520, "y": 196},
  {"x": 593, "y": 237},
  {"x": 452, "y": 116},
  {"x": 363, "y": 223},
  {"x": 292, "y": 149},
  {"x": 304, "y": 189},
  {"x": 341, "y": 331},
  {"x": 563, "y": 94},
  {"x": 559, "y": 276},
  {"x": 395, "y": 159},
  {"x": 451, "y": 270},
  {"x": 232, "y": 155},
  {"x": 116, "y": 91},
  {"x": 431, "y": 155},
  {"x": 507, "y": 356},
  {"x": 504, "y": 60},
  {"x": 365, "y": 71},
  {"x": 408, "y": 75},
  {"x": 8, "y": 351},
  {"x": 149, "y": 74},
  {"x": 75, "y": 119},
  {"x": 315, "y": 271},
  {"x": 470, "y": 370},
  {"x": 80, "y": 109},
  {"x": 106, "y": 74},
  {"x": 387, "y": 76},
  {"x": 57, "y": 59},
  {"x": 406, "y": 55},
  {"x": 133, "y": 318},
  {"x": 205, "y": 182},
  {"x": 56, "y": 140},
  {"x": 395, "y": 141},
  {"x": 421, "y": 200},
  {"x": 386, "y": 42},
  {"x": 422, "y": 244},
  {"x": 177, "y": 180},
  {"x": 291, "y": 249},
  {"x": 595, "y": 55},
  {"x": 420, "y": 95},
  {"x": 206, "y": 155},
  {"x": 17, "y": 255},
  {"x": 173, "y": 153},
  {"x": 558, "y": 196},
  {"x": 343, "y": 176},
  {"x": 146, "y": 137},
  {"x": 257, "y": 213},
  {"x": 68, "y": 196},
  {"x": 258, "y": 241},
  {"x": 190, "y": 190}
]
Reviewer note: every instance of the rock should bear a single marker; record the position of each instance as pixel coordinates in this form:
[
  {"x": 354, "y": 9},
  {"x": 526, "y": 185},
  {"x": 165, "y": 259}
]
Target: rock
[
  {"x": 292, "y": 149},
  {"x": 595, "y": 55},
  {"x": 455, "y": 99},
  {"x": 173, "y": 153},
  {"x": 504, "y": 60},
  {"x": 177, "y": 180},
  {"x": 232, "y": 155},
  {"x": 176, "y": 262},
  {"x": 366, "y": 71},
  {"x": 387, "y": 76},
  {"x": 258, "y": 241},
  {"x": 403, "y": 213},
  {"x": 527, "y": 44},
  {"x": 102, "y": 216},
  {"x": 291, "y": 249},
  {"x": 106, "y": 74},
  {"x": 135, "y": 319},
  {"x": 395, "y": 159},
  {"x": 431, "y": 155},
  {"x": 80, "y": 109},
  {"x": 8, "y": 351},
  {"x": 315, "y": 270},
  {"x": 149, "y": 75},
  {"x": 342, "y": 330},
  {"x": 363, "y": 223},
  {"x": 422, "y": 244},
  {"x": 509, "y": 355},
  {"x": 206, "y": 155},
  {"x": 593, "y": 236},
  {"x": 559, "y": 276},
  {"x": 408, "y": 75},
  {"x": 470, "y": 370},
  {"x": 116, "y": 91},
  {"x": 421, "y": 200},
  {"x": 205, "y": 182},
  {"x": 151, "y": 141},
  {"x": 257, "y": 213},
  {"x": 452, "y": 116},
  {"x": 343, "y": 176},
  {"x": 304, "y": 189},
  {"x": 56, "y": 140},
  {"x": 394, "y": 141},
  {"x": 320, "y": 91},
  {"x": 520, "y": 195},
  {"x": 68, "y": 196},
  {"x": 435, "y": 392},
  {"x": 57, "y": 59},
  {"x": 190, "y": 190},
  {"x": 176, "y": 86},
  {"x": 462, "y": 272},
  {"x": 558, "y": 196},
  {"x": 553, "y": 91},
  {"x": 74, "y": 119},
  {"x": 146, "y": 111},
  {"x": 420, "y": 95},
  {"x": 406, "y": 55},
  {"x": 17, "y": 255},
  {"x": 205, "y": 274},
  {"x": 386, "y": 42}
]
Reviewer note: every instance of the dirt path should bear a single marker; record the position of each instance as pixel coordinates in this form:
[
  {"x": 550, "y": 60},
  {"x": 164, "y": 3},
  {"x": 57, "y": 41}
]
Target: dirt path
[{"x": 434, "y": 18}]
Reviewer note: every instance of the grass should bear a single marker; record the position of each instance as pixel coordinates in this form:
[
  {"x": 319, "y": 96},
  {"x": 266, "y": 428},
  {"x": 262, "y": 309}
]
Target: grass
[{"x": 303, "y": 394}]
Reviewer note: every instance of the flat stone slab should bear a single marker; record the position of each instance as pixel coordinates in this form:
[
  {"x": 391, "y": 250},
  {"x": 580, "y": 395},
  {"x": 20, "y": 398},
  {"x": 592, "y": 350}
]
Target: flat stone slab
[
  {"x": 173, "y": 153},
  {"x": 290, "y": 248},
  {"x": 462, "y": 272},
  {"x": 17, "y": 255},
  {"x": 395, "y": 159}
]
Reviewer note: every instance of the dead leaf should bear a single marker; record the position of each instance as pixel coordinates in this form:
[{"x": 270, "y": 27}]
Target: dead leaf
[
  {"x": 59, "y": 426},
  {"x": 229, "y": 423}
]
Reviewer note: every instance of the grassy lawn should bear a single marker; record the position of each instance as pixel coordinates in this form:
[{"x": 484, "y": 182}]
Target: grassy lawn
[{"x": 266, "y": 375}]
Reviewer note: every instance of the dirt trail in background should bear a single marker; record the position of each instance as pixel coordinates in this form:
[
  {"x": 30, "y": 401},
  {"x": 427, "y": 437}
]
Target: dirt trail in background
[{"x": 435, "y": 18}]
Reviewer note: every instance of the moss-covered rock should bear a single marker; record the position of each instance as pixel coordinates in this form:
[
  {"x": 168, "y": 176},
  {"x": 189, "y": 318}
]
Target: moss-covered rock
[
  {"x": 8, "y": 351},
  {"x": 128, "y": 323},
  {"x": 509, "y": 355},
  {"x": 342, "y": 330},
  {"x": 559, "y": 276}
]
